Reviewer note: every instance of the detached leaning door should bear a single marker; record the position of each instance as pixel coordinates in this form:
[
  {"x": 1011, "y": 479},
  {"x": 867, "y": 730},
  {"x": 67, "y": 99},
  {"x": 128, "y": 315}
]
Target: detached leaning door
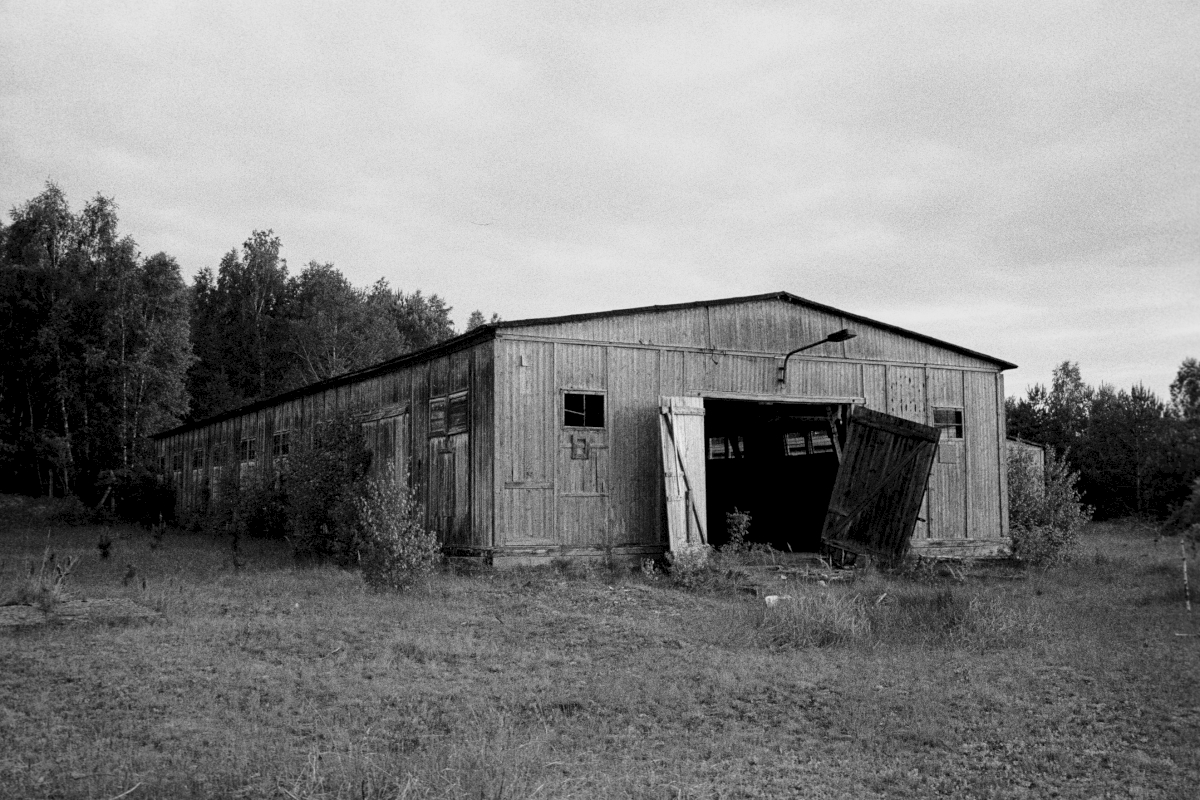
[
  {"x": 681, "y": 426},
  {"x": 879, "y": 487}
]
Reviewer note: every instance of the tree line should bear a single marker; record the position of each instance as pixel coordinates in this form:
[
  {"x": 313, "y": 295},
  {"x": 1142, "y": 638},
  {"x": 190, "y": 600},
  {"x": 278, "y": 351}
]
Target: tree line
[
  {"x": 102, "y": 346},
  {"x": 1135, "y": 453}
]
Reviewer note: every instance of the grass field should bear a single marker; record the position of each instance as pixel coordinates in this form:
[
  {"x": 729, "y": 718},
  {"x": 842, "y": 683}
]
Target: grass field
[{"x": 277, "y": 681}]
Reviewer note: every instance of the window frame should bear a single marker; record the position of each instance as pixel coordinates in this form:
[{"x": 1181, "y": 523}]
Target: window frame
[
  {"x": 562, "y": 405},
  {"x": 951, "y": 431}
]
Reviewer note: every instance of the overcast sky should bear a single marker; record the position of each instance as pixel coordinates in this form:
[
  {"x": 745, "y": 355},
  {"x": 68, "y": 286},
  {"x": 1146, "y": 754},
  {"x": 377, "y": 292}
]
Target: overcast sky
[{"x": 1018, "y": 178}]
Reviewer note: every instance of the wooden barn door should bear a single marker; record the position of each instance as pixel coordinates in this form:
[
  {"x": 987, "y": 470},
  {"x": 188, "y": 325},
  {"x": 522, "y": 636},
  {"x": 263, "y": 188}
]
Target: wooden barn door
[
  {"x": 449, "y": 488},
  {"x": 681, "y": 428},
  {"x": 880, "y": 485}
]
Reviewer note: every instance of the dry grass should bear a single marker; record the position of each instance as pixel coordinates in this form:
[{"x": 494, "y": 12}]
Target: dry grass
[{"x": 277, "y": 681}]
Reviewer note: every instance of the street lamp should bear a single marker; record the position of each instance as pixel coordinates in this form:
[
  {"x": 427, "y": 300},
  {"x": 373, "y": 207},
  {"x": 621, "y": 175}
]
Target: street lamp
[{"x": 836, "y": 336}]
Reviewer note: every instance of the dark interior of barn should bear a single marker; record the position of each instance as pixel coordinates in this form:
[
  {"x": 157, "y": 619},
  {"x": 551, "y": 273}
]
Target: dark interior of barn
[{"x": 774, "y": 461}]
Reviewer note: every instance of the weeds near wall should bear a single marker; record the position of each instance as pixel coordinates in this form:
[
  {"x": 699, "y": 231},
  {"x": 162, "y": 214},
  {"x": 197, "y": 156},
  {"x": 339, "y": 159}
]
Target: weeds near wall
[
  {"x": 1044, "y": 510},
  {"x": 689, "y": 565},
  {"x": 395, "y": 546},
  {"x": 737, "y": 524}
]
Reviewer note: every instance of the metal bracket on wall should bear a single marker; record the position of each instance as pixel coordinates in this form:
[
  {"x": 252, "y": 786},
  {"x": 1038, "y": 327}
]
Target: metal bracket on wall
[{"x": 581, "y": 450}]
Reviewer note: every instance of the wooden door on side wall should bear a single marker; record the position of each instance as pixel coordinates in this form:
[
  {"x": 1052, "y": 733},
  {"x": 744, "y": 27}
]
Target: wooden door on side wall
[
  {"x": 449, "y": 488},
  {"x": 583, "y": 492},
  {"x": 880, "y": 484},
  {"x": 681, "y": 431}
]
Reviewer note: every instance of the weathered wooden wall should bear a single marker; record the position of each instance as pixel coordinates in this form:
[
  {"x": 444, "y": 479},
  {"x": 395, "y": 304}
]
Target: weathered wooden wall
[
  {"x": 452, "y": 469},
  {"x": 506, "y": 478},
  {"x": 543, "y": 498}
]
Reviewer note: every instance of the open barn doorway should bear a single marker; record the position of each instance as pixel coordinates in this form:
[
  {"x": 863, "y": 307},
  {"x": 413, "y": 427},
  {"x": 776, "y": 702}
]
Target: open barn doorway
[{"x": 776, "y": 462}]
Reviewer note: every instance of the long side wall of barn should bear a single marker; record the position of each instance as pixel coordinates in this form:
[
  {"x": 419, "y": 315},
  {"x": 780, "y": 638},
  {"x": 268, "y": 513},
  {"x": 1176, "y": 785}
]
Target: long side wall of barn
[
  {"x": 432, "y": 419},
  {"x": 559, "y": 487}
]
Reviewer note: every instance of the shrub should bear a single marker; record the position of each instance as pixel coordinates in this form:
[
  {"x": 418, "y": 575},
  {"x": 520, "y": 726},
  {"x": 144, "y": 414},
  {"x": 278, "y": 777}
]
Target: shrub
[
  {"x": 394, "y": 545},
  {"x": 737, "y": 523},
  {"x": 323, "y": 481},
  {"x": 255, "y": 508},
  {"x": 1045, "y": 514},
  {"x": 69, "y": 510},
  {"x": 138, "y": 494},
  {"x": 689, "y": 564},
  {"x": 1186, "y": 516}
]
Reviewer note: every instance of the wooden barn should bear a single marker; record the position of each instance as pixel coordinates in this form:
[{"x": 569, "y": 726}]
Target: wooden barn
[{"x": 626, "y": 433}]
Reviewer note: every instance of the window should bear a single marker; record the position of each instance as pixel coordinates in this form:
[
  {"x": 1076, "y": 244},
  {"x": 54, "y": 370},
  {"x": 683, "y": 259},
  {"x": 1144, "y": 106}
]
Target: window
[
  {"x": 721, "y": 447},
  {"x": 176, "y": 461},
  {"x": 457, "y": 414},
  {"x": 437, "y": 415},
  {"x": 821, "y": 441},
  {"x": 805, "y": 443},
  {"x": 949, "y": 421},
  {"x": 795, "y": 444},
  {"x": 248, "y": 450},
  {"x": 582, "y": 410},
  {"x": 198, "y": 458},
  {"x": 281, "y": 443}
]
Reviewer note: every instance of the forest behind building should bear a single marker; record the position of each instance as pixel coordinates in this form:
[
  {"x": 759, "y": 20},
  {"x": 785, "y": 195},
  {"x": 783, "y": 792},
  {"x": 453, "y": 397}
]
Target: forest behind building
[{"x": 101, "y": 346}]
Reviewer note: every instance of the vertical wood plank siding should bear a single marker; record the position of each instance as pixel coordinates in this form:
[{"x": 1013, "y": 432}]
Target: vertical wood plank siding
[
  {"x": 985, "y": 456},
  {"x": 519, "y": 477},
  {"x": 525, "y": 401},
  {"x": 635, "y": 486}
]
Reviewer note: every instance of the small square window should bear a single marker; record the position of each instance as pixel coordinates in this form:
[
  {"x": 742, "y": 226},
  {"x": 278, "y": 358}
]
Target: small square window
[
  {"x": 949, "y": 421},
  {"x": 583, "y": 410}
]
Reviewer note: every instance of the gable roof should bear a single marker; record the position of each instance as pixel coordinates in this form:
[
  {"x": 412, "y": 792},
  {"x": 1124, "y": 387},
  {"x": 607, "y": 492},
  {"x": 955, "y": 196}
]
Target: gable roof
[
  {"x": 786, "y": 297},
  {"x": 488, "y": 331}
]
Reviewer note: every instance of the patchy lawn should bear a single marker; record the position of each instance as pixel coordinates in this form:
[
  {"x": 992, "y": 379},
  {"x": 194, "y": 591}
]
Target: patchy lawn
[{"x": 278, "y": 681}]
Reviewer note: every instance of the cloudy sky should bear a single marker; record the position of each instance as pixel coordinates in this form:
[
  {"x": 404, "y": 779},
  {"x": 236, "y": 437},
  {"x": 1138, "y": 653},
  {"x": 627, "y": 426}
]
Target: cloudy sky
[{"x": 1019, "y": 178}]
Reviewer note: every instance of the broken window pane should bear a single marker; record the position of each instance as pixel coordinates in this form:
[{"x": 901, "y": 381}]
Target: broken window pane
[{"x": 582, "y": 410}]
